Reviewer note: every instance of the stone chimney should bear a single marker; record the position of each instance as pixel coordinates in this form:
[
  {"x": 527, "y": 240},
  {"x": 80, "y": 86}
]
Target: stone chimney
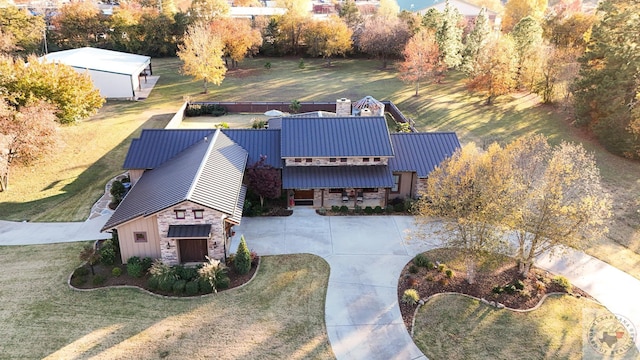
[{"x": 343, "y": 107}]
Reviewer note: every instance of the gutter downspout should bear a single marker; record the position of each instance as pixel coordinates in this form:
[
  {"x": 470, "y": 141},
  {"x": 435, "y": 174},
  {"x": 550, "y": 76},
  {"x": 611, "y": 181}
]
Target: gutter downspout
[{"x": 224, "y": 240}]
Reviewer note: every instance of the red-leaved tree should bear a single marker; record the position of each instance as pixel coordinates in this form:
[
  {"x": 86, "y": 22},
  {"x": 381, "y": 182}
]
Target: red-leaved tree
[{"x": 264, "y": 180}]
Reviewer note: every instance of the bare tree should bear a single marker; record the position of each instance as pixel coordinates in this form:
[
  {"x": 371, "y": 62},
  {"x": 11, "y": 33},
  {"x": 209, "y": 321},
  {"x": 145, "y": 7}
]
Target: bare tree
[{"x": 384, "y": 38}]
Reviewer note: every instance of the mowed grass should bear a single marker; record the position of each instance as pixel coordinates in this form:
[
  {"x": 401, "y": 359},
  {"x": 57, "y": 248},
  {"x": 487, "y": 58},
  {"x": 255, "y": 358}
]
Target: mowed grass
[
  {"x": 457, "y": 327},
  {"x": 279, "y": 315}
]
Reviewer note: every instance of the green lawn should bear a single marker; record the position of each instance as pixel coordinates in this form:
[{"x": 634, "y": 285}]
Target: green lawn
[
  {"x": 455, "y": 327},
  {"x": 279, "y": 315}
]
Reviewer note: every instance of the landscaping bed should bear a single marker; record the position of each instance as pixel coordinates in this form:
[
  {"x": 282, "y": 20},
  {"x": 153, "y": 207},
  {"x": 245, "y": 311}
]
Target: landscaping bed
[{"x": 497, "y": 279}]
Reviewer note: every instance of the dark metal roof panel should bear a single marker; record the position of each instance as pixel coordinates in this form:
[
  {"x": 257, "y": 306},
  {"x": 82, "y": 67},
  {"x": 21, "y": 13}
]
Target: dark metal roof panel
[
  {"x": 155, "y": 146},
  {"x": 237, "y": 214},
  {"x": 327, "y": 177},
  {"x": 257, "y": 143},
  {"x": 189, "y": 231},
  {"x": 422, "y": 152},
  {"x": 335, "y": 137}
]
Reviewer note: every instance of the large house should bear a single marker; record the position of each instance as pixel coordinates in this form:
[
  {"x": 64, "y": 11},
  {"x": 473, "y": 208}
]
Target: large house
[{"x": 188, "y": 185}]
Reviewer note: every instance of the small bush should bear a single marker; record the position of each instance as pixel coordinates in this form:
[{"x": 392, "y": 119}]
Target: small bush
[
  {"x": 378, "y": 209},
  {"x": 413, "y": 269},
  {"x": 335, "y": 208},
  {"x": 442, "y": 267},
  {"x": 398, "y": 207},
  {"x": 230, "y": 260},
  {"x": 519, "y": 284},
  {"x": 133, "y": 259},
  {"x": 540, "y": 286},
  {"x": 368, "y": 210},
  {"x": 301, "y": 64},
  {"x": 267, "y": 65},
  {"x": 134, "y": 269},
  {"x": 258, "y": 124},
  {"x": 116, "y": 271},
  {"x": 413, "y": 282},
  {"x": 205, "y": 286},
  {"x": 117, "y": 192},
  {"x": 357, "y": 209},
  {"x": 242, "y": 262},
  {"x": 166, "y": 284},
  {"x": 389, "y": 209},
  {"x": 223, "y": 282},
  {"x": 108, "y": 255},
  {"x": 428, "y": 277},
  {"x": 430, "y": 265},
  {"x": 563, "y": 282},
  {"x": 81, "y": 271},
  {"x": 98, "y": 280},
  {"x": 497, "y": 289},
  {"x": 344, "y": 209},
  {"x": 421, "y": 260},
  {"x": 205, "y": 109},
  {"x": 450, "y": 274},
  {"x": 78, "y": 280},
  {"x": 178, "y": 286},
  {"x": 510, "y": 289},
  {"x": 410, "y": 296},
  {"x": 146, "y": 264},
  {"x": 191, "y": 288},
  {"x": 254, "y": 257},
  {"x": 525, "y": 294},
  {"x": 153, "y": 283},
  {"x": 185, "y": 273},
  {"x": 408, "y": 205}
]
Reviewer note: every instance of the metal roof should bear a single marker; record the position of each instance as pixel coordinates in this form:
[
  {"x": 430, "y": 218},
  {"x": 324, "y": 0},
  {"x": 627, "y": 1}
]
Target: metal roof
[
  {"x": 101, "y": 60},
  {"x": 257, "y": 143},
  {"x": 155, "y": 146},
  {"x": 422, "y": 152},
  {"x": 237, "y": 214},
  {"x": 189, "y": 231},
  {"x": 208, "y": 173},
  {"x": 335, "y": 137},
  {"x": 333, "y": 177}
]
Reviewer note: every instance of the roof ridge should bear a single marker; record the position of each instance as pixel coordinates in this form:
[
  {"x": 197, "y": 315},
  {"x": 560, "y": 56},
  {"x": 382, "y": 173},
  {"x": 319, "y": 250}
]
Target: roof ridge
[{"x": 203, "y": 161}]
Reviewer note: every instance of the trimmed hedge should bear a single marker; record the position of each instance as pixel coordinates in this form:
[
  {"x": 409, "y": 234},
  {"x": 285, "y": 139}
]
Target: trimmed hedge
[{"x": 205, "y": 109}]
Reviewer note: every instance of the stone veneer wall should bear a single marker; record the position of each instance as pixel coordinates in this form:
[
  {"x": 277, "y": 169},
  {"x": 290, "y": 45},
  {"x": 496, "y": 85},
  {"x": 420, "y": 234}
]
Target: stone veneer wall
[
  {"x": 421, "y": 185},
  {"x": 326, "y": 162},
  {"x": 330, "y": 199},
  {"x": 168, "y": 217}
]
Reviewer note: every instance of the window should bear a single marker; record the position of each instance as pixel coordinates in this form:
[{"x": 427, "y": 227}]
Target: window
[
  {"x": 198, "y": 214},
  {"x": 140, "y": 237},
  {"x": 297, "y": 160},
  {"x": 376, "y": 159},
  {"x": 336, "y": 191},
  {"x": 308, "y": 159},
  {"x": 343, "y": 160},
  {"x": 180, "y": 214},
  {"x": 396, "y": 183},
  {"x": 332, "y": 159},
  {"x": 370, "y": 190},
  {"x": 365, "y": 159}
]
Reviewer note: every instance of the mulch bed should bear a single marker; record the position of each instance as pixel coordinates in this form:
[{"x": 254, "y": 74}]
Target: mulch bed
[
  {"x": 432, "y": 281},
  {"x": 141, "y": 282}
]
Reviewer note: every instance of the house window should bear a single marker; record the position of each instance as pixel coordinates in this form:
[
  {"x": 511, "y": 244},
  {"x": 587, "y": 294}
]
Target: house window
[
  {"x": 140, "y": 237},
  {"x": 344, "y": 160},
  {"x": 365, "y": 159},
  {"x": 308, "y": 159},
  {"x": 180, "y": 214},
  {"x": 297, "y": 160},
  {"x": 336, "y": 191},
  {"x": 332, "y": 159},
  {"x": 198, "y": 214},
  {"x": 370, "y": 190},
  {"x": 376, "y": 159},
  {"x": 396, "y": 183}
]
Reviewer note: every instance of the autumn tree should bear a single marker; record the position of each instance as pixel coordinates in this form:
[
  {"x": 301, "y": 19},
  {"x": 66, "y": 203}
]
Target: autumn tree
[
  {"x": 26, "y": 31},
  {"x": 328, "y": 38},
  {"x": 78, "y": 24},
  {"x": 558, "y": 67},
  {"x": 71, "y": 92},
  {"x": 383, "y": 38},
  {"x": 449, "y": 37},
  {"x": 291, "y": 25},
  {"x": 421, "y": 58},
  {"x": 350, "y": 14},
  {"x": 7, "y": 43},
  {"x": 432, "y": 19},
  {"x": 495, "y": 70},
  {"x": 264, "y": 180},
  {"x": 516, "y": 10},
  {"x": 569, "y": 32},
  {"x": 26, "y": 134},
  {"x": 388, "y": 9},
  {"x": 201, "y": 54},
  {"x": 238, "y": 37},
  {"x": 207, "y": 10},
  {"x": 527, "y": 39},
  {"x": 606, "y": 91},
  {"x": 475, "y": 41}
]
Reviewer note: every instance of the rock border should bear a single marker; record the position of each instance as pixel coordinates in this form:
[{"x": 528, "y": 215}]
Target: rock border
[{"x": 159, "y": 295}]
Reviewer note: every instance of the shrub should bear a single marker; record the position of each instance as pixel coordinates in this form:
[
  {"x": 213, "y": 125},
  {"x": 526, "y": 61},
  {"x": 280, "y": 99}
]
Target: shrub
[
  {"x": 205, "y": 286},
  {"x": 540, "y": 286},
  {"x": 267, "y": 65},
  {"x": 410, "y": 297},
  {"x": 301, "y": 64},
  {"x": 254, "y": 257},
  {"x": 162, "y": 271},
  {"x": 368, "y": 210},
  {"x": 442, "y": 267},
  {"x": 117, "y": 192},
  {"x": 563, "y": 282},
  {"x": 258, "y": 124},
  {"x": 378, "y": 209},
  {"x": 108, "y": 255},
  {"x": 344, "y": 209},
  {"x": 408, "y": 205},
  {"x": 389, "y": 209},
  {"x": 91, "y": 256},
  {"x": 525, "y": 294},
  {"x": 230, "y": 260},
  {"x": 413, "y": 282},
  {"x": 510, "y": 289},
  {"x": 398, "y": 207},
  {"x": 210, "y": 272},
  {"x": 98, "y": 280},
  {"x": 429, "y": 277},
  {"x": 205, "y": 109},
  {"x": 133, "y": 259},
  {"x": 450, "y": 274},
  {"x": 178, "y": 286},
  {"x": 335, "y": 208},
  {"x": 497, "y": 289},
  {"x": 135, "y": 269},
  {"x": 413, "y": 269},
  {"x": 443, "y": 281},
  {"x": 295, "y": 105},
  {"x": 186, "y": 273},
  {"x": 357, "y": 209},
  {"x": 421, "y": 260},
  {"x": 78, "y": 280},
  {"x": 223, "y": 282},
  {"x": 191, "y": 288},
  {"x": 518, "y": 284},
  {"x": 116, "y": 271},
  {"x": 430, "y": 265},
  {"x": 242, "y": 262},
  {"x": 153, "y": 283},
  {"x": 222, "y": 125},
  {"x": 166, "y": 284},
  {"x": 81, "y": 271},
  {"x": 146, "y": 264}
]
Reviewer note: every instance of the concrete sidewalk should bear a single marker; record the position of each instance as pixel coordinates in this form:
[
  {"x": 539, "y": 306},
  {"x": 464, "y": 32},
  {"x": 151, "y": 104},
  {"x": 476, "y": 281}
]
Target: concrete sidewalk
[{"x": 31, "y": 233}]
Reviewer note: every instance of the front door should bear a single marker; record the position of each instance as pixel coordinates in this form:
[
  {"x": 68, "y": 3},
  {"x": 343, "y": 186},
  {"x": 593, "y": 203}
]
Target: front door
[
  {"x": 193, "y": 250},
  {"x": 303, "y": 197}
]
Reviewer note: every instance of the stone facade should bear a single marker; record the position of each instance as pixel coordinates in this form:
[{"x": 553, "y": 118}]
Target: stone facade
[
  {"x": 325, "y": 198},
  {"x": 327, "y": 161},
  {"x": 170, "y": 253},
  {"x": 421, "y": 186}
]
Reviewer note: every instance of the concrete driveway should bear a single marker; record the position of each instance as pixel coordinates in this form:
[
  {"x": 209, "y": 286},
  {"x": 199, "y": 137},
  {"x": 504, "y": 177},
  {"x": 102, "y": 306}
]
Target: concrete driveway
[{"x": 366, "y": 255}]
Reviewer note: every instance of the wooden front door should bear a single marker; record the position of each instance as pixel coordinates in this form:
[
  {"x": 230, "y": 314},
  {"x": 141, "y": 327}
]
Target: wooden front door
[
  {"x": 193, "y": 250},
  {"x": 303, "y": 195}
]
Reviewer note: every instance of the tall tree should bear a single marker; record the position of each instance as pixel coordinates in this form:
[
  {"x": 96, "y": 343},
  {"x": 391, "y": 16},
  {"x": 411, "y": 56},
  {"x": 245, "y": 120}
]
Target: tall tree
[
  {"x": 26, "y": 30},
  {"x": 264, "y": 180},
  {"x": 388, "y": 9},
  {"x": 527, "y": 38},
  {"x": 516, "y": 10},
  {"x": 79, "y": 24},
  {"x": 558, "y": 66},
  {"x": 495, "y": 70},
  {"x": 292, "y": 24},
  {"x": 384, "y": 38},
  {"x": 207, "y": 10},
  {"x": 349, "y": 12},
  {"x": 201, "y": 54},
  {"x": 569, "y": 32},
  {"x": 239, "y": 38},
  {"x": 449, "y": 36},
  {"x": 421, "y": 58},
  {"x": 475, "y": 40},
  {"x": 25, "y": 134},
  {"x": 605, "y": 92},
  {"x": 328, "y": 38},
  {"x": 432, "y": 19}
]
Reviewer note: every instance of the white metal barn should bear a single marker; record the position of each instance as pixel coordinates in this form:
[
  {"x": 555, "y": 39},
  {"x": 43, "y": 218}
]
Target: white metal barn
[{"x": 116, "y": 74}]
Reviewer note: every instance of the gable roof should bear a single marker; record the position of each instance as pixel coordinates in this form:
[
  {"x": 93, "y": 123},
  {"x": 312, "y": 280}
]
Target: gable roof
[
  {"x": 208, "y": 173},
  {"x": 335, "y": 137},
  {"x": 422, "y": 152},
  {"x": 257, "y": 143},
  {"x": 335, "y": 177},
  {"x": 101, "y": 60}
]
